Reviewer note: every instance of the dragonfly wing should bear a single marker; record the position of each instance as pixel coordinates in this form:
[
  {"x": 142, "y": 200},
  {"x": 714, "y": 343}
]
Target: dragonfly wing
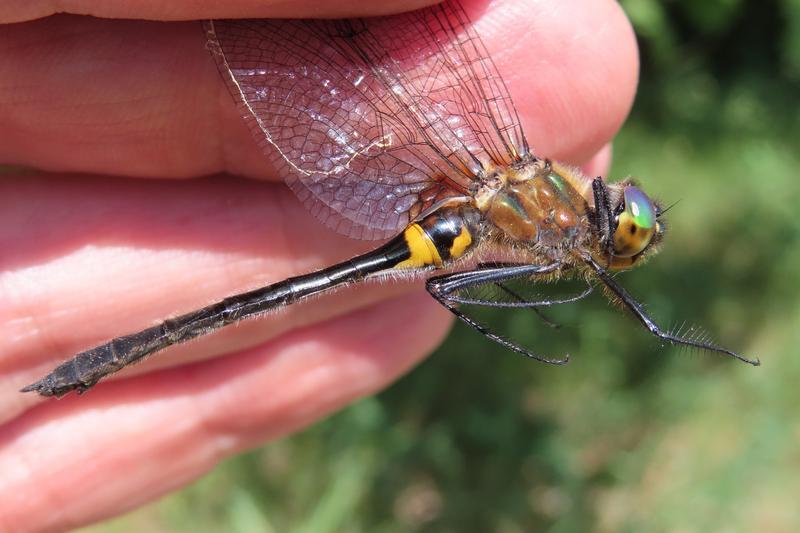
[{"x": 370, "y": 121}]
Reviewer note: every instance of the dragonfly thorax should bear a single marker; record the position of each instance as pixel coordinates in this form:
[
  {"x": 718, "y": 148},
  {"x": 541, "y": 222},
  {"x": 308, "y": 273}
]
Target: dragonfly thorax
[{"x": 540, "y": 204}]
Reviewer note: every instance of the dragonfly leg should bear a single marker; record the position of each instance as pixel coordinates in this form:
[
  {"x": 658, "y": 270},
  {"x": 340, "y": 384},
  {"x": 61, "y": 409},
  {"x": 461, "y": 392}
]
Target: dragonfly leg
[
  {"x": 535, "y": 305},
  {"x": 445, "y": 290},
  {"x": 638, "y": 311},
  {"x": 549, "y": 322},
  {"x": 604, "y": 215}
]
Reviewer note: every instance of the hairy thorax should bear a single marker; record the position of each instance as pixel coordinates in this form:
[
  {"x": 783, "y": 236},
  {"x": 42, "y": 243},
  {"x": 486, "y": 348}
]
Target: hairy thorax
[{"x": 538, "y": 205}]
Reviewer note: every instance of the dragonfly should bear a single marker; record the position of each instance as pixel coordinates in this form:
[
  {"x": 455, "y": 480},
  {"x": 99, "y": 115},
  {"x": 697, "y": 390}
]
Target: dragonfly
[{"x": 401, "y": 129}]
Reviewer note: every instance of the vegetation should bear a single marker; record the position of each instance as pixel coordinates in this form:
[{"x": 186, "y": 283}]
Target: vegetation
[{"x": 630, "y": 436}]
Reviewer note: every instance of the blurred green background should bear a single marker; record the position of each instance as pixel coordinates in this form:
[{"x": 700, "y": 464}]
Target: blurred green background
[{"x": 629, "y": 436}]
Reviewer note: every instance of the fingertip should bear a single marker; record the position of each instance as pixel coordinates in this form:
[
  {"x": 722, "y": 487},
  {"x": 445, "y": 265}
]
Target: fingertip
[
  {"x": 571, "y": 67},
  {"x": 600, "y": 163},
  {"x": 13, "y": 11}
]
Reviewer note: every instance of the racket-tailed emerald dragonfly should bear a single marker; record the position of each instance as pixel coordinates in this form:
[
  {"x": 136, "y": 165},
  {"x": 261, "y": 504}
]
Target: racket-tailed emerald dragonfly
[{"x": 401, "y": 127}]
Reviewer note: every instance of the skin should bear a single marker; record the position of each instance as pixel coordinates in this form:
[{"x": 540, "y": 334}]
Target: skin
[{"x": 118, "y": 230}]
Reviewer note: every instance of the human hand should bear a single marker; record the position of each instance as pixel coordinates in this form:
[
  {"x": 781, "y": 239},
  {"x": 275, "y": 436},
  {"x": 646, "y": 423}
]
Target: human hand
[{"x": 89, "y": 255}]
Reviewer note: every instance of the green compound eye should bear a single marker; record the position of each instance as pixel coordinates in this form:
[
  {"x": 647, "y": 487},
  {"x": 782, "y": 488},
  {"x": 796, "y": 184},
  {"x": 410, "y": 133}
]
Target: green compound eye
[
  {"x": 636, "y": 224},
  {"x": 640, "y": 207}
]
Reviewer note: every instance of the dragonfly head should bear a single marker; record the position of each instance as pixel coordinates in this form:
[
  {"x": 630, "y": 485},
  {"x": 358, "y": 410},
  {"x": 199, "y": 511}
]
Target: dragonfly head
[{"x": 635, "y": 229}]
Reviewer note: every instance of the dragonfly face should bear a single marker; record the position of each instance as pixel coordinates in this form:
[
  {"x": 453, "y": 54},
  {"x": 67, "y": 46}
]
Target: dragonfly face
[
  {"x": 636, "y": 230},
  {"x": 557, "y": 212},
  {"x": 403, "y": 127}
]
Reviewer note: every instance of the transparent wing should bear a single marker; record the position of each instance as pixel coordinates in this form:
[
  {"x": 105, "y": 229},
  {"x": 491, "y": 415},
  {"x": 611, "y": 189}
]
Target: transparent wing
[{"x": 371, "y": 121}]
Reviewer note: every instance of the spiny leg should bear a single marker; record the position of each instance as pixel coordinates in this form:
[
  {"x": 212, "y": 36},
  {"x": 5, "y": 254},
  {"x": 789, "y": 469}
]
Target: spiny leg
[
  {"x": 550, "y": 323},
  {"x": 519, "y": 300},
  {"x": 604, "y": 216},
  {"x": 534, "y": 305},
  {"x": 638, "y": 311},
  {"x": 442, "y": 288}
]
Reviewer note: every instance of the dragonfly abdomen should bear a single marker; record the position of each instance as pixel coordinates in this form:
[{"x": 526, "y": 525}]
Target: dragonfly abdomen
[
  {"x": 431, "y": 242},
  {"x": 441, "y": 237}
]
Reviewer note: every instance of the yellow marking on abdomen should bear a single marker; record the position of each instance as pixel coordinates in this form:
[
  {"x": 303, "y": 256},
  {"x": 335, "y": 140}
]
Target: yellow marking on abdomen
[
  {"x": 423, "y": 251},
  {"x": 461, "y": 243}
]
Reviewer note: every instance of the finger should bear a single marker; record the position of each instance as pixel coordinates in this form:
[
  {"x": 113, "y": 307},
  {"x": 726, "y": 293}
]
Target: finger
[
  {"x": 145, "y": 99},
  {"x": 22, "y": 10},
  {"x": 600, "y": 163},
  {"x": 148, "y": 436},
  {"x": 87, "y": 259}
]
